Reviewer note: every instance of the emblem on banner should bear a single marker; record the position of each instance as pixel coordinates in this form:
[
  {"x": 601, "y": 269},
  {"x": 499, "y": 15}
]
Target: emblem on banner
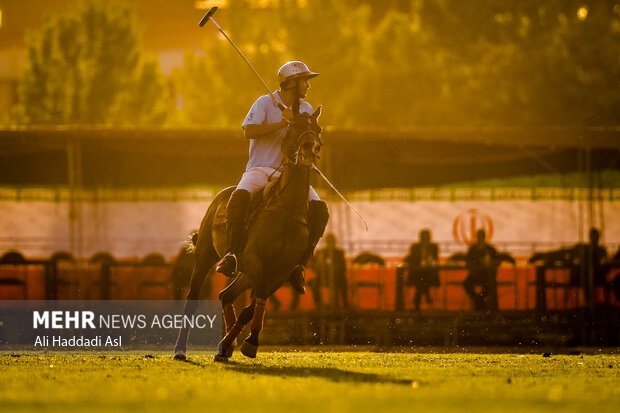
[{"x": 467, "y": 223}]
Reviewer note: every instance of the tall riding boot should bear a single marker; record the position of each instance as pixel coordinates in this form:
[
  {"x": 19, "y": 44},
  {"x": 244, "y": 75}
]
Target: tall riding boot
[
  {"x": 318, "y": 214},
  {"x": 235, "y": 219}
]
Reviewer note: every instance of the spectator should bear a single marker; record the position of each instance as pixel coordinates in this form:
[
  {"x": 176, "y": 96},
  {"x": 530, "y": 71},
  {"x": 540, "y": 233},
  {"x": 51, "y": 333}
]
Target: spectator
[
  {"x": 330, "y": 267},
  {"x": 580, "y": 258},
  {"x": 422, "y": 265},
  {"x": 482, "y": 262},
  {"x": 591, "y": 255}
]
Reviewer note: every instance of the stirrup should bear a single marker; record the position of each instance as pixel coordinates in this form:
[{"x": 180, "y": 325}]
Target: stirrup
[
  {"x": 224, "y": 268},
  {"x": 297, "y": 280}
]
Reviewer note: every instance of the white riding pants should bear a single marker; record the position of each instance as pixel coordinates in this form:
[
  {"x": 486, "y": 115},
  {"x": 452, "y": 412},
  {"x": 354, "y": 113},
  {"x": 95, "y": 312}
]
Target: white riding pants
[{"x": 255, "y": 179}]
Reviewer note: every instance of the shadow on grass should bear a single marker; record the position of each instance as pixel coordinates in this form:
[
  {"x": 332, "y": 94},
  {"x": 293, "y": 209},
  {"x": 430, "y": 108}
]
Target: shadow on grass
[
  {"x": 328, "y": 373},
  {"x": 192, "y": 362}
]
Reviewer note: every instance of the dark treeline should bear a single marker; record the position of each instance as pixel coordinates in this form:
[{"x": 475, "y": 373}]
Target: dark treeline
[{"x": 393, "y": 64}]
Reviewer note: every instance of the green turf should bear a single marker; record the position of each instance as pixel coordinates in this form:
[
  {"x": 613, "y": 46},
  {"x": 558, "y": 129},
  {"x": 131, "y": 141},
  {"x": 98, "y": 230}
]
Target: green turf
[{"x": 312, "y": 382}]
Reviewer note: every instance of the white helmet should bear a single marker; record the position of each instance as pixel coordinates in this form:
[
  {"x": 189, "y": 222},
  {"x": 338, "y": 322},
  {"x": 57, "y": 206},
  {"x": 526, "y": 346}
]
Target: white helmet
[{"x": 294, "y": 70}]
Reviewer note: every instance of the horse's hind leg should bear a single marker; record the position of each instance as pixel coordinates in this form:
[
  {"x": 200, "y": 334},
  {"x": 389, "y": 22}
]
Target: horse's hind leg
[{"x": 204, "y": 261}]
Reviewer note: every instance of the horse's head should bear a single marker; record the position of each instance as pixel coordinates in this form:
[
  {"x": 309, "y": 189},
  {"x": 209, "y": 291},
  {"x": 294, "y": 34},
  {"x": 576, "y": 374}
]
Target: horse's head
[{"x": 302, "y": 143}]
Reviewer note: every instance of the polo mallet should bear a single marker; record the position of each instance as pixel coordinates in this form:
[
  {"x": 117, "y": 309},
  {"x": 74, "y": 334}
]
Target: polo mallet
[
  {"x": 339, "y": 194},
  {"x": 208, "y": 17}
]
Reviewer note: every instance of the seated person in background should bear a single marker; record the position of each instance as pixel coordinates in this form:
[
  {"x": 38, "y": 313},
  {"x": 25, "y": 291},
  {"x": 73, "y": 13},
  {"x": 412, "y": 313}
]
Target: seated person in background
[
  {"x": 590, "y": 255},
  {"x": 579, "y": 258},
  {"x": 330, "y": 266},
  {"x": 422, "y": 265},
  {"x": 482, "y": 262}
]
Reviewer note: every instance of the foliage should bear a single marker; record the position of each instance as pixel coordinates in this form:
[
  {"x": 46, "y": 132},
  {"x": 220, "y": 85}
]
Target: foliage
[
  {"x": 310, "y": 382},
  {"x": 419, "y": 63},
  {"x": 86, "y": 66},
  {"x": 219, "y": 88}
]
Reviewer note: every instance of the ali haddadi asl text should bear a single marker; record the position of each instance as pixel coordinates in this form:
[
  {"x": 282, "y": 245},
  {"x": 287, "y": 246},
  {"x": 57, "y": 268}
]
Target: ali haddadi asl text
[{"x": 81, "y": 341}]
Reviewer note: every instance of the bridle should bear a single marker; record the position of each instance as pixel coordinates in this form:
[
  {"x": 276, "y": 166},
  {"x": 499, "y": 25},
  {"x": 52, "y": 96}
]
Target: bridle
[{"x": 297, "y": 142}]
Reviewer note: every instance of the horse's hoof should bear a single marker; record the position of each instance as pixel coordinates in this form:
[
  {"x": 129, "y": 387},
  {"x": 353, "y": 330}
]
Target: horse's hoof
[
  {"x": 220, "y": 358},
  {"x": 180, "y": 355},
  {"x": 225, "y": 353},
  {"x": 249, "y": 350},
  {"x": 230, "y": 350}
]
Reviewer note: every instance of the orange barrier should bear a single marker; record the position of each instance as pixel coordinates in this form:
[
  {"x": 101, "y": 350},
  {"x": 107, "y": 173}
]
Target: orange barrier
[{"x": 516, "y": 287}]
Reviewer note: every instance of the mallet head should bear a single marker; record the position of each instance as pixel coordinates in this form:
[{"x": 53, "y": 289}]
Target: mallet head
[{"x": 208, "y": 14}]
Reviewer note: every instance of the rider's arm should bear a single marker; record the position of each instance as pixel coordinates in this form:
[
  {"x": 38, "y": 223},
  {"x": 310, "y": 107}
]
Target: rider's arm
[{"x": 258, "y": 131}]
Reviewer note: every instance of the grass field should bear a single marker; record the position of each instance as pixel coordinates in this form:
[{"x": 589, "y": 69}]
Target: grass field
[{"x": 312, "y": 382}]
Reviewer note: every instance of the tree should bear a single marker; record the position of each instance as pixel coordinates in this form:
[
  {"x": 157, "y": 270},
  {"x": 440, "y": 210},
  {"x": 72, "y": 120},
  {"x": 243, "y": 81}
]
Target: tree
[
  {"x": 87, "y": 67},
  {"x": 217, "y": 87},
  {"x": 528, "y": 62},
  {"x": 405, "y": 64}
]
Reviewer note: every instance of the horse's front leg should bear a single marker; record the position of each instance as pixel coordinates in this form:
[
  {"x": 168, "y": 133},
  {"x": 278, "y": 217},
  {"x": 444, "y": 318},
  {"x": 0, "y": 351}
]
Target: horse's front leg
[
  {"x": 250, "y": 345},
  {"x": 227, "y": 345},
  {"x": 234, "y": 325},
  {"x": 230, "y": 317}
]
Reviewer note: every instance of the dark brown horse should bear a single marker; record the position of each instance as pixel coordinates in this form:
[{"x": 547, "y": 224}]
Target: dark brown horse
[{"x": 277, "y": 238}]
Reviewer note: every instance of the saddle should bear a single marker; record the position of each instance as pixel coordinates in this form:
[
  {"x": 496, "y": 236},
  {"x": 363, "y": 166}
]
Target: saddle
[{"x": 258, "y": 201}]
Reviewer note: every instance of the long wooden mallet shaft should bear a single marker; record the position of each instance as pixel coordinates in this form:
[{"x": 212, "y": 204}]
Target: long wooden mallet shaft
[
  {"x": 339, "y": 194},
  {"x": 208, "y": 17}
]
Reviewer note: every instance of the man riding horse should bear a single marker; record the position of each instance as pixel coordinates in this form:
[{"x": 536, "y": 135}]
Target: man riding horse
[
  {"x": 282, "y": 232},
  {"x": 265, "y": 126}
]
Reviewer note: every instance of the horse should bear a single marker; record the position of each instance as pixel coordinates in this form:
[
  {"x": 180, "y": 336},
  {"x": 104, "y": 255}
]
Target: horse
[{"x": 277, "y": 237}]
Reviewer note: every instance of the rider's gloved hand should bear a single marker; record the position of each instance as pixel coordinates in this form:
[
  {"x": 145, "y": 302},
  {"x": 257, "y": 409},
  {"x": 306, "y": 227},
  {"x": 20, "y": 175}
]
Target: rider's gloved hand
[{"x": 287, "y": 115}]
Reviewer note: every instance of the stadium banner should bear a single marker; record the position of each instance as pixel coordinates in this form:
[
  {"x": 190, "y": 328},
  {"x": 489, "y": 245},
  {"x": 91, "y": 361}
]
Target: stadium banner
[
  {"x": 137, "y": 222},
  {"x": 544, "y": 223},
  {"x": 114, "y": 326}
]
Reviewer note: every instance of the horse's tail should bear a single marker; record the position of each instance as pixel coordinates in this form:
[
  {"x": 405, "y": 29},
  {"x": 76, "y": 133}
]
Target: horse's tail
[{"x": 190, "y": 242}]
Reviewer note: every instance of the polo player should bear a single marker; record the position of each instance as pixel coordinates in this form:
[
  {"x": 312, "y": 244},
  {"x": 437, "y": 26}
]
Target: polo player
[{"x": 265, "y": 126}]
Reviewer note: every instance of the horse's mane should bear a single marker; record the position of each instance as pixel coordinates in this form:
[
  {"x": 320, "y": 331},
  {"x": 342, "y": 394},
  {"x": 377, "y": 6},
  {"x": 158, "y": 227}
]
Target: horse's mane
[
  {"x": 290, "y": 142},
  {"x": 296, "y": 106}
]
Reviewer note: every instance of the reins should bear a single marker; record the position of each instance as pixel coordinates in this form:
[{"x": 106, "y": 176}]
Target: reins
[{"x": 295, "y": 156}]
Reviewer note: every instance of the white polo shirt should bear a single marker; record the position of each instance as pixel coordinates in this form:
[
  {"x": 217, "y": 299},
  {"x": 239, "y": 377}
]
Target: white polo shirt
[{"x": 267, "y": 150}]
